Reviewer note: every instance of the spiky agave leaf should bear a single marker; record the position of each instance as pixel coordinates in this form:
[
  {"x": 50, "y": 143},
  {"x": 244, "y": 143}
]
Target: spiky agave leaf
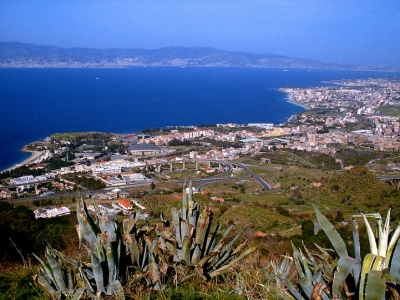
[
  {"x": 186, "y": 247},
  {"x": 308, "y": 279},
  {"x": 118, "y": 290},
  {"x": 55, "y": 294},
  {"x": 47, "y": 273},
  {"x": 394, "y": 267},
  {"x": 230, "y": 255},
  {"x": 281, "y": 273},
  {"x": 56, "y": 270},
  {"x": 305, "y": 277},
  {"x": 226, "y": 268},
  {"x": 356, "y": 269},
  {"x": 333, "y": 236},
  {"x": 176, "y": 226},
  {"x": 371, "y": 262},
  {"x": 384, "y": 236},
  {"x": 154, "y": 272},
  {"x": 344, "y": 268},
  {"x": 54, "y": 281},
  {"x": 223, "y": 241},
  {"x": 235, "y": 237},
  {"x": 356, "y": 239},
  {"x": 87, "y": 229},
  {"x": 78, "y": 293},
  {"x": 202, "y": 227},
  {"x": 111, "y": 263},
  {"x": 211, "y": 240},
  {"x": 70, "y": 281},
  {"x": 375, "y": 287},
  {"x": 98, "y": 273},
  {"x": 185, "y": 203},
  {"x": 371, "y": 237},
  {"x": 87, "y": 275},
  {"x": 68, "y": 262},
  {"x": 314, "y": 264},
  {"x": 192, "y": 206},
  {"x": 392, "y": 248},
  {"x": 107, "y": 224}
]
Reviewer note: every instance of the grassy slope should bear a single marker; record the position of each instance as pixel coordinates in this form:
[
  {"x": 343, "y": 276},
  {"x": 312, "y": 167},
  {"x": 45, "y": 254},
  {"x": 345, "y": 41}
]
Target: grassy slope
[{"x": 350, "y": 191}]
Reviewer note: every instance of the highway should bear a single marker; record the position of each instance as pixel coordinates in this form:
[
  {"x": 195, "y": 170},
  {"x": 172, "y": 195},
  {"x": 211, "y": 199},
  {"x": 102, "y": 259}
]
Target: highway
[
  {"x": 264, "y": 185},
  {"x": 201, "y": 181}
]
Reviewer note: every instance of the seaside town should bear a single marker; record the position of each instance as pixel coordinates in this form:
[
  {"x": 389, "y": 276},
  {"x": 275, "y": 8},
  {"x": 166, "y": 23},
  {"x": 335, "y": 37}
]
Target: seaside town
[
  {"x": 270, "y": 188},
  {"x": 347, "y": 113}
]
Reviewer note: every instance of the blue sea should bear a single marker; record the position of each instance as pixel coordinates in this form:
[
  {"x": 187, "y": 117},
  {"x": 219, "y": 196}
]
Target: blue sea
[{"x": 35, "y": 103}]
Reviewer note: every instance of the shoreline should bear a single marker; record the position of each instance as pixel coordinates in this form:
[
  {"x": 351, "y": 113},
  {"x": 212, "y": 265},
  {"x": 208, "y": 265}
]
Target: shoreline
[
  {"x": 289, "y": 98},
  {"x": 298, "y": 104},
  {"x": 37, "y": 154},
  {"x": 34, "y": 155}
]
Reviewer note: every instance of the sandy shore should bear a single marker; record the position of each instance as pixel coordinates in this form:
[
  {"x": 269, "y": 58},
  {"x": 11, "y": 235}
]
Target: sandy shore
[
  {"x": 298, "y": 104},
  {"x": 290, "y": 99},
  {"x": 34, "y": 155}
]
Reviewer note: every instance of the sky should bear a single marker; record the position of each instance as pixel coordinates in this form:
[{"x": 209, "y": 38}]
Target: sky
[{"x": 343, "y": 31}]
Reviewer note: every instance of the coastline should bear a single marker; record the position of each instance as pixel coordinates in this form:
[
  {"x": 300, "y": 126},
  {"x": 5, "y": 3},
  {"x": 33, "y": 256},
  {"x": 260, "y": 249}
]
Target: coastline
[
  {"x": 34, "y": 156},
  {"x": 298, "y": 104},
  {"x": 289, "y": 98}
]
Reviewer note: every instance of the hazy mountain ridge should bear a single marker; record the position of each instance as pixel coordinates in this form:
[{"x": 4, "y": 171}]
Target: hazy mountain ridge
[{"x": 13, "y": 54}]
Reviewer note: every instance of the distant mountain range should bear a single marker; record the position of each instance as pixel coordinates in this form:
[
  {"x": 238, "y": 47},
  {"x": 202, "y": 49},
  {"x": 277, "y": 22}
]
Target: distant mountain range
[{"x": 19, "y": 55}]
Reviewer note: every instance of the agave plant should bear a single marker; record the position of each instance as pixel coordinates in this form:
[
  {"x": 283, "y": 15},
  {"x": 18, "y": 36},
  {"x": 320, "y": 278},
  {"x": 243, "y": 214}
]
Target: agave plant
[
  {"x": 66, "y": 278},
  {"x": 153, "y": 256},
  {"x": 196, "y": 245},
  {"x": 339, "y": 276},
  {"x": 95, "y": 279}
]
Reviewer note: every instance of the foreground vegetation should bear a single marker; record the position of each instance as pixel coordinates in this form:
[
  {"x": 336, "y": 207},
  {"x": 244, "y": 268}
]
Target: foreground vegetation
[{"x": 274, "y": 220}]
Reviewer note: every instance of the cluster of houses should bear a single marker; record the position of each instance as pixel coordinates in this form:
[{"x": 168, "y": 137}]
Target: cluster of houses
[{"x": 124, "y": 206}]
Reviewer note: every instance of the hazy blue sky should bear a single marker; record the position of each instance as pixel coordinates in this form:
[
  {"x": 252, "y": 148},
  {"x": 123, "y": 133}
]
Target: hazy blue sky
[{"x": 357, "y": 31}]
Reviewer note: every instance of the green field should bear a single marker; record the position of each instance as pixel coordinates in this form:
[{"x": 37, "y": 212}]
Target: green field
[{"x": 390, "y": 110}]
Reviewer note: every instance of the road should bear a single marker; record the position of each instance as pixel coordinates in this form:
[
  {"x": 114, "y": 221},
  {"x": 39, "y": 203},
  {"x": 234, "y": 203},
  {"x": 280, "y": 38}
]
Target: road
[
  {"x": 264, "y": 185},
  {"x": 202, "y": 182}
]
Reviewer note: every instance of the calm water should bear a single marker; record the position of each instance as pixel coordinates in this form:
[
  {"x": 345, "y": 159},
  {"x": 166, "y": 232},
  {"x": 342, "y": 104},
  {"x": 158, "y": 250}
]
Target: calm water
[{"x": 34, "y": 103}]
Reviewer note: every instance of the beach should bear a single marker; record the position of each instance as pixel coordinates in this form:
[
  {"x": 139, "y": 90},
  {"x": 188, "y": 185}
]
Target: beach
[
  {"x": 289, "y": 98},
  {"x": 31, "y": 159}
]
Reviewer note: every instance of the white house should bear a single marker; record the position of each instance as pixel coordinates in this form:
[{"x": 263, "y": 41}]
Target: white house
[
  {"x": 51, "y": 213},
  {"x": 124, "y": 204}
]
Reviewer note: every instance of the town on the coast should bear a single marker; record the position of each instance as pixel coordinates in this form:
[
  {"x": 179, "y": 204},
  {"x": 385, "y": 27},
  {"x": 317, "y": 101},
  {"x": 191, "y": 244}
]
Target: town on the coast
[{"x": 345, "y": 114}]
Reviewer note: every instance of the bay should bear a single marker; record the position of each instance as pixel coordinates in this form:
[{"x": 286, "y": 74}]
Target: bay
[{"x": 35, "y": 103}]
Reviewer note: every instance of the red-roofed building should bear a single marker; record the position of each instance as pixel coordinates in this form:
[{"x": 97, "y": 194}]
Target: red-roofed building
[
  {"x": 218, "y": 199},
  {"x": 39, "y": 166},
  {"x": 125, "y": 204}
]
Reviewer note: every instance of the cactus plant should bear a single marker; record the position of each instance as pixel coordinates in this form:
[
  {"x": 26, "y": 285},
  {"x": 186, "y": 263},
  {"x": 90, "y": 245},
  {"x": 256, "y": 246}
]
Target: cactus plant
[
  {"x": 197, "y": 247},
  {"x": 339, "y": 276},
  {"x": 155, "y": 256}
]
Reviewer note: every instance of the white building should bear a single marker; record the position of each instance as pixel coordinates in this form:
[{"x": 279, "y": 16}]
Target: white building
[
  {"x": 27, "y": 182},
  {"x": 51, "y": 213},
  {"x": 105, "y": 168},
  {"x": 262, "y": 125}
]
